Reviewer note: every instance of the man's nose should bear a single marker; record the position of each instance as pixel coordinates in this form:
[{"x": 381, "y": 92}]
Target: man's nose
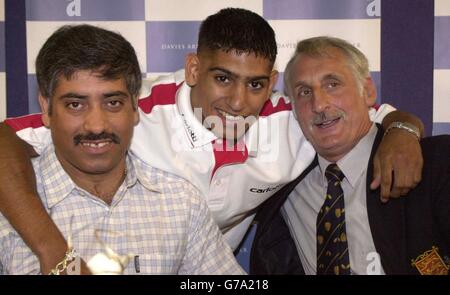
[
  {"x": 320, "y": 101},
  {"x": 238, "y": 98},
  {"x": 95, "y": 120}
]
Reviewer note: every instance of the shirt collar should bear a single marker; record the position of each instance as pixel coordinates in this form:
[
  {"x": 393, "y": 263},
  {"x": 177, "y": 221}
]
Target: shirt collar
[
  {"x": 197, "y": 134},
  {"x": 146, "y": 175},
  {"x": 360, "y": 154},
  {"x": 58, "y": 185}
]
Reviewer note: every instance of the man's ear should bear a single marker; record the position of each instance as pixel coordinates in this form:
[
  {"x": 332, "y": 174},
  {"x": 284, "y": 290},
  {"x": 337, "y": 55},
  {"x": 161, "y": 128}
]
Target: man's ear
[
  {"x": 272, "y": 80},
  {"x": 370, "y": 92},
  {"x": 192, "y": 67},
  {"x": 136, "y": 116},
  {"x": 45, "y": 108}
]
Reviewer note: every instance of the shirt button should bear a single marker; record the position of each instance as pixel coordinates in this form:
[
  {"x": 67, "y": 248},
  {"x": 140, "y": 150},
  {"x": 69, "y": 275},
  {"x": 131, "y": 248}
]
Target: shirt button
[{"x": 218, "y": 182}]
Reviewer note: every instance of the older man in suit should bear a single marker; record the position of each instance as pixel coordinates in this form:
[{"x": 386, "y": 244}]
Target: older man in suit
[{"x": 328, "y": 221}]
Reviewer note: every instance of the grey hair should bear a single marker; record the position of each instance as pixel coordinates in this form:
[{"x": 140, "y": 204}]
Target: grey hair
[{"x": 318, "y": 46}]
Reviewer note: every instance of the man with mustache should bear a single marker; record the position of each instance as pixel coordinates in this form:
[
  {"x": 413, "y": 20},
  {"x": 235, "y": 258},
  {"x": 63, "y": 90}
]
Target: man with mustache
[
  {"x": 97, "y": 193},
  {"x": 328, "y": 221},
  {"x": 217, "y": 124}
]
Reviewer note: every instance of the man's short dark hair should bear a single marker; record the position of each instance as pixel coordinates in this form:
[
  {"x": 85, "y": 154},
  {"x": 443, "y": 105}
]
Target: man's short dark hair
[
  {"x": 85, "y": 47},
  {"x": 240, "y": 30}
]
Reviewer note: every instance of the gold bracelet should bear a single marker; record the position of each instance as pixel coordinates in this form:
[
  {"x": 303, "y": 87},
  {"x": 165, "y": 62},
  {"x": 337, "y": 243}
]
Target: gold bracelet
[{"x": 62, "y": 266}]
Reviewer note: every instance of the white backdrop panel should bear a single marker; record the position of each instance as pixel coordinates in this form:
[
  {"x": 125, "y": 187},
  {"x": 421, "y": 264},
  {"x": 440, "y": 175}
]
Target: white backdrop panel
[
  {"x": 363, "y": 33},
  {"x": 441, "y": 99}
]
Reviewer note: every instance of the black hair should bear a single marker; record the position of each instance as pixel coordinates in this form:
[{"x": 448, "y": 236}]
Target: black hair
[{"x": 240, "y": 30}]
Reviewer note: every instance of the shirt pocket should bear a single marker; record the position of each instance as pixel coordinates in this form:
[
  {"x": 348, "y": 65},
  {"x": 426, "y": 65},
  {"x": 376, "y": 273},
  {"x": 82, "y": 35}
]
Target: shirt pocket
[{"x": 155, "y": 264}]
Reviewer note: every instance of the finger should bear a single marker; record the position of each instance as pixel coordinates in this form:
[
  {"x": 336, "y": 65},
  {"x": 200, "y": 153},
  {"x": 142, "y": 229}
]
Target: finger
[
  {"x": 404, "y": 192},
  {"x": 399, "y": 192},
  {"x": 376, "y": 180},
  {"x": 395, "y": 193},
  {"x": 402, "y": 181},
  {"x": 386, "y": 180},
  {"x": 418, "y": 172}
]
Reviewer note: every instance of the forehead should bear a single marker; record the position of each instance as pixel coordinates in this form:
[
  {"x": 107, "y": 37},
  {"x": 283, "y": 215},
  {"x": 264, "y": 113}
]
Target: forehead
[
  {"x": 241, "y": 63},
  {"x": 329, "y": 56},
  {"x": 330, "y": 61},
  {"x": 90, "y": 82}
]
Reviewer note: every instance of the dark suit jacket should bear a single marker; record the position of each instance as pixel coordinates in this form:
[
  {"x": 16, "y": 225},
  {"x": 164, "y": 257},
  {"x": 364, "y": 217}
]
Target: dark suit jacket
[{"x": 402, "y": 229}]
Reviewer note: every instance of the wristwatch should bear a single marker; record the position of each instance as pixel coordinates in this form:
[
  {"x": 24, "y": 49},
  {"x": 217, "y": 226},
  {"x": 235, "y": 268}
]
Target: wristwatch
[{"x": 405, "y": 126}]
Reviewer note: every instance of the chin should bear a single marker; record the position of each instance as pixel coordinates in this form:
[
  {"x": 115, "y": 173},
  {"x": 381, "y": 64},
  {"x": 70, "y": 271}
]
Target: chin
[{"x": 97, "y": 168}]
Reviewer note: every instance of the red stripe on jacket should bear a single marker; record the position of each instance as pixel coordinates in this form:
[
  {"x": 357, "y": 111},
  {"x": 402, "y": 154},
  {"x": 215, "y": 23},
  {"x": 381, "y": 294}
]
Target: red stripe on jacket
[
  {"x": 163, "y": 94},
  {"x": 20, "y": 123},
  {"x": 269, "y": 109}
]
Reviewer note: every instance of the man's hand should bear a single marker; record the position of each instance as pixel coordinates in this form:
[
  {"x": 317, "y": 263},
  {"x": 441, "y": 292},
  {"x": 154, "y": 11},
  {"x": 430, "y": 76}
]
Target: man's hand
[
  {"x": 398, "y": 164},
  {"x": 49, "y": 263}
]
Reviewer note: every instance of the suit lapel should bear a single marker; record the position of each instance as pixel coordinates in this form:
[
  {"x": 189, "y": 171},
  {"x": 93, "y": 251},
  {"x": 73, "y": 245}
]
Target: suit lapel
[{"x": 387, "y": 223}]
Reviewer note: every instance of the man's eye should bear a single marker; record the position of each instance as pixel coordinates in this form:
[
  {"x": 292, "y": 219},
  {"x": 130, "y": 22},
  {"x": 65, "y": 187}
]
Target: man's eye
[
  {"x": 222, "y": 79},
  {"x": 304, "y": 92},
  {"x": 333, "y": 84},
  {"x": 114, "y": 103},
  {"x": 74, "y": 105},
  {"x": 256, "y": 85}
]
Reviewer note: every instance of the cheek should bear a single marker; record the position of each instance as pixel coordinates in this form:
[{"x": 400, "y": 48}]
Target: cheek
[
  {"x": 65, "y": 126},
  {"x": 210, "y": 95},
  {"x": 354, "y": 112},
  {"x": 257, "y": 102},
  {"x": 302, "y": 110},
  {"x": 62, "y": 138},
  {"x": 124, "y": 126}
]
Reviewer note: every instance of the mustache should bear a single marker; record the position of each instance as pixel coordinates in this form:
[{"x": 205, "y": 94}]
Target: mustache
[
  {"x": 327, "y": 116},
  {"x": 92, "y": 137}
]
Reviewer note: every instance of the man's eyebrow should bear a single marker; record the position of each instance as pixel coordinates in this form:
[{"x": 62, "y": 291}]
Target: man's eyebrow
[
  {"x": 300, "y": 83},
  {"x": 213, "y": 69},
  {"x": 83, "y": 96},
  {"x": 325, "y": 77},
  {"x": 331, "y": 76},
  {"x": 115, "y": 93},
  {"x": 234, "y": 75},
  {"x": 72, "y": 95}
]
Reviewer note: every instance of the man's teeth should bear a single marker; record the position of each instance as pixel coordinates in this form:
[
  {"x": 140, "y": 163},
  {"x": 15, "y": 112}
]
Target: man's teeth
[
  {"x": 230, "y": 117},
  {"x": 328, "y": 122},
  {"x": 96, "y": 145}
]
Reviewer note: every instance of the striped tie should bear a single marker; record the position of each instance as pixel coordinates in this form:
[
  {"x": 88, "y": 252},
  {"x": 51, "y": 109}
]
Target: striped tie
[{"x": 332, "y": 248}]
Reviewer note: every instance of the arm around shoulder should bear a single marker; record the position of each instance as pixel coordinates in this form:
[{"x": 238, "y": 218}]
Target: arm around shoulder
[{"x": 21, "y": 205}]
